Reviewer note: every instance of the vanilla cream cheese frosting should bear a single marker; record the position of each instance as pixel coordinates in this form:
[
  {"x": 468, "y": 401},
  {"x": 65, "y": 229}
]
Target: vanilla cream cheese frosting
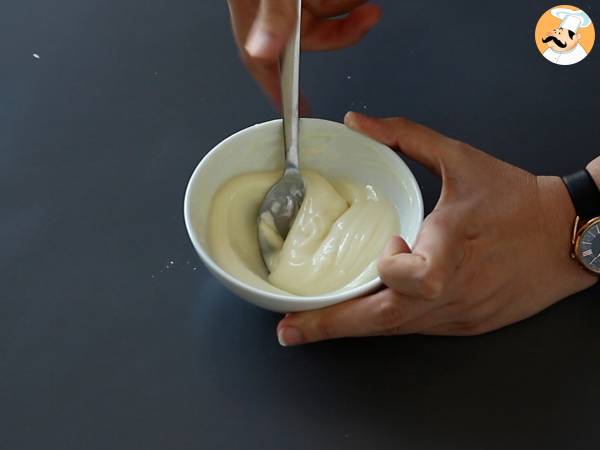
[{"x": 333, "y": 244}]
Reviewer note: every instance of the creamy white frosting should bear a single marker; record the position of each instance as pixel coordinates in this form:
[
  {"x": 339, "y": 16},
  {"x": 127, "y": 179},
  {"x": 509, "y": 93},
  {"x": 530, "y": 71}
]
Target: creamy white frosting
[{"x": 333, "y": 244}]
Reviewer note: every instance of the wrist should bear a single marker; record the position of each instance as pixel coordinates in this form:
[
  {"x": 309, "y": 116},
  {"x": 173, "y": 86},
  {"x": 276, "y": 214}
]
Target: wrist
[
  {"x": 558, "y": 210},
  {"x": 558, "y": 215}
]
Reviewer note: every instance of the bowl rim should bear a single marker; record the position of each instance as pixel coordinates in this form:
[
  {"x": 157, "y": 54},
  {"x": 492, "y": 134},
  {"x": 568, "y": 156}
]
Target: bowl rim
[{"x": 328, "y": 298}]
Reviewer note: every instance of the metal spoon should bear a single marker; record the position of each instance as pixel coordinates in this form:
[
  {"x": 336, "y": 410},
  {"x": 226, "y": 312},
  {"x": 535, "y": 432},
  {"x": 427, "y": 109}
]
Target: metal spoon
[{"x": 281, "y": 204}]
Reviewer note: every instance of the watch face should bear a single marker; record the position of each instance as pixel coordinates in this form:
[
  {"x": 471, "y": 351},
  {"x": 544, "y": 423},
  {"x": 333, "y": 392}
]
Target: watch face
[{"x": 588, "y": 249}]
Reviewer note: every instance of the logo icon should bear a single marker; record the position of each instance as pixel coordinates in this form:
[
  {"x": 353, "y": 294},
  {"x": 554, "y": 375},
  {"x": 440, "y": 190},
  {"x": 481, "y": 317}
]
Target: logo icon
[{"x": 565, "y": 35}]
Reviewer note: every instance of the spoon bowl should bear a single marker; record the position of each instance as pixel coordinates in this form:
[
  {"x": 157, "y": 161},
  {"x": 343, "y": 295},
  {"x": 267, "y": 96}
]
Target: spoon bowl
[{"x": 277, "y": 213}]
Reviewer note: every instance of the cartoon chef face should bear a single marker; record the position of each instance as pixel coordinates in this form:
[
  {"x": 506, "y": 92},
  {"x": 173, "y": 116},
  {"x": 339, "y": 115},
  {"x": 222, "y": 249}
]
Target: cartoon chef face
[{"x": 562, "y": 40}]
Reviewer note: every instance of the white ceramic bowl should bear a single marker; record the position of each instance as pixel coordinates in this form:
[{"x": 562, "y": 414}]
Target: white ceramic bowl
[{"x": 332, "y": 149}]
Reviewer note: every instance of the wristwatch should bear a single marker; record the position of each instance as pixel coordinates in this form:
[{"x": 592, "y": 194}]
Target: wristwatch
[{"x": 585, "y": 195}]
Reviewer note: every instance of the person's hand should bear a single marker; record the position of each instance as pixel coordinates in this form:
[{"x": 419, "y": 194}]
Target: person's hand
[
  {"x": 495, "y": 250},
  {"x": 262, "y": 28}
]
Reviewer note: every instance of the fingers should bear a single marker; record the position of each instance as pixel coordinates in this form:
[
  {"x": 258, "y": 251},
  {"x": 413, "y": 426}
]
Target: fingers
[
  {"x": 331, "y": 34},
  {"x": 303, "y": 106},
  {"x": 267, "y": 76},
  {"x": 404, "y": 272},
  {"x": 263, "y": 28},
  {"x": 398, "y": 267},
  {"x": 328, "y": 8},
  {"x": 382, "y": 313},
  {"x": 420, "y": 143},
  {"x": 425, "y": 272},
  {"x": 271, "y": 29},
  {"x": 395, "y": 246},
  {"x": 275, "y": 20}
]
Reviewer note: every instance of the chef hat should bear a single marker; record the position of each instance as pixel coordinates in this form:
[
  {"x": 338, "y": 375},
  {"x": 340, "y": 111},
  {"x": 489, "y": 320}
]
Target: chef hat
[{"x": 572, "y": 20}]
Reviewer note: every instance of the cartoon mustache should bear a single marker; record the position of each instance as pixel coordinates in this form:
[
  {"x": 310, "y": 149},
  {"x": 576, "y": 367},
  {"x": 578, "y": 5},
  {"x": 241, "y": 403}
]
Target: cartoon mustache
[{"x": 556, "y": 41}]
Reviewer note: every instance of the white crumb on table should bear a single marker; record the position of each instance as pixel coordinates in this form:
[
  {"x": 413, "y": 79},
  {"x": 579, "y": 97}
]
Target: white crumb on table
[{"x": 36, "y": 56}]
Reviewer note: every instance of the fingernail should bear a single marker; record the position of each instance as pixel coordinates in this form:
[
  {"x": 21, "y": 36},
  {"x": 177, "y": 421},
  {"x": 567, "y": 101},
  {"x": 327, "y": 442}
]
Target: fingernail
[
  {"x": 259, "y": 42},
  {"x": 350, "y": 119},
  {"x": 353, "y": 119},
  {"x": 289, "y": 336}
]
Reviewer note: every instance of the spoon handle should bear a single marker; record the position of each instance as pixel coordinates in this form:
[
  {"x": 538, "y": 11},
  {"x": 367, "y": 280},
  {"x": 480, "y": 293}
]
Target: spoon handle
[{"x": 290, "y": 74}]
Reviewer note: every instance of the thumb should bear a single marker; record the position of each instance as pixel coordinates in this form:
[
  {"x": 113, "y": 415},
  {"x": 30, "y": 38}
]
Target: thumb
[
  {"x": 394, "y": 246},
  {"x": 367, "y": 316},
  {"x": 422, "y": 144}
]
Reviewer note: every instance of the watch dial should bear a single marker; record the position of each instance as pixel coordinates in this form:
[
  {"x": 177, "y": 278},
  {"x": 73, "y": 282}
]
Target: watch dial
[{"x": 589, "y": 248}]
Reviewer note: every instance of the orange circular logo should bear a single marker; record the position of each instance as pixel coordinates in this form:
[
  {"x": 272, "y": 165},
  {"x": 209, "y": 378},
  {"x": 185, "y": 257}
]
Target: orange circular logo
[{"x": 565, "y": 35}]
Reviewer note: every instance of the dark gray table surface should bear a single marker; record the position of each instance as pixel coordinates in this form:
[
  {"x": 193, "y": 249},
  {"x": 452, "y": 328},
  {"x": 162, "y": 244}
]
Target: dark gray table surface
[{"x": 113, "y": 335}]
